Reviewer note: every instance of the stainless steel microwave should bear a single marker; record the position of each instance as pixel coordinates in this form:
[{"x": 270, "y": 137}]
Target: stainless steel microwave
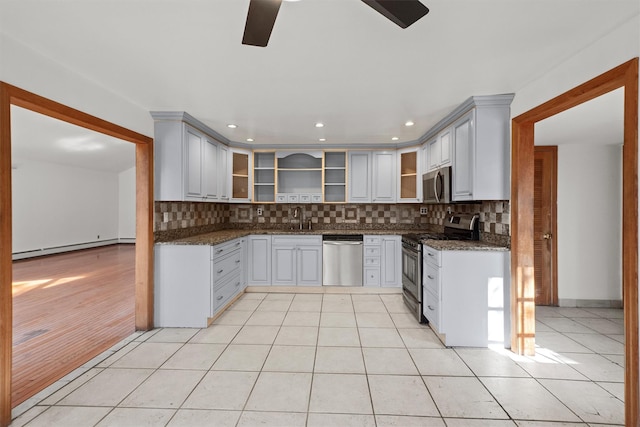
[{"x": 436, "y": 186}]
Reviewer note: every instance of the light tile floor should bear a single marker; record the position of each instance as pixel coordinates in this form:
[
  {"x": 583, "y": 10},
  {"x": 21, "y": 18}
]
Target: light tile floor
[{"x": 342, "y": 360}]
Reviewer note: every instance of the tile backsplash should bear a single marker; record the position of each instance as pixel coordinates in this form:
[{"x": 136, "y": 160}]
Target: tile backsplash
[{"x": 182, "y": 219}]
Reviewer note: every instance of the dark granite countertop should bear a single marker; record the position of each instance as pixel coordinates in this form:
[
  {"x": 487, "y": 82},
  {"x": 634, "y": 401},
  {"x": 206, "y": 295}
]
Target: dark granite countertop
[
  {"x": 222, "y": 236},
  {"x": 463, "y": 245}
]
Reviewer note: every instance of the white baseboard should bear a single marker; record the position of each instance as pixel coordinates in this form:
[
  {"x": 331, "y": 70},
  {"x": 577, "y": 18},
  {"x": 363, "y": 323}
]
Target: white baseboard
[{"x": 68, "y": 248}]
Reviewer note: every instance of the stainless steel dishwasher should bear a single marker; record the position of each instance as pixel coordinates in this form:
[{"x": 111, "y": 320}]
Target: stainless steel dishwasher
[{"x": 342, "y": 260}]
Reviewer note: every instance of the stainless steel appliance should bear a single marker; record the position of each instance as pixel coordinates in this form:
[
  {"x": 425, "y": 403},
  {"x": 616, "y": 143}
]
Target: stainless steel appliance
[
  {"x": 342, "y": 260},
  {"x": 457, "y": 227},
  {"x": 436, "y": 186}
]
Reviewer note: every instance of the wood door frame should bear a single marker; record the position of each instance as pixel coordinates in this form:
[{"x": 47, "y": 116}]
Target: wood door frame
[
  {"x": 11, "y": 95},
  {"x": 522, "y": 284},
  {"x": 554, "y": 220}
]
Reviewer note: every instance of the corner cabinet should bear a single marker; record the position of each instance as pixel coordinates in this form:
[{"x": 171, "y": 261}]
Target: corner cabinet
[{"x": 259, "y": 264}]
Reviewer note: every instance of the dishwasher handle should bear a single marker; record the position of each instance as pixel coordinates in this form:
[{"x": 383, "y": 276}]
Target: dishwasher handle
[{"x": 340, "y": 243}]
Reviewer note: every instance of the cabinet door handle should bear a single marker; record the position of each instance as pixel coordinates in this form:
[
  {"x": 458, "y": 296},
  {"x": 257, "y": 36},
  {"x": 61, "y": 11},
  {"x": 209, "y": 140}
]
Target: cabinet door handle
[
  {"x": 237, "y": 243},
  {"x": 219, "y": 251},
  {"x": 430, "y": 277},
  {"x": 430, "y": 254},
  {"x": 237, "y": 261},
  {"x": 220, "y": 271},
  {"x": 237, "y": 284},
  {"x": 430, "y": 308},
  {"x": 220, "y": 297}
]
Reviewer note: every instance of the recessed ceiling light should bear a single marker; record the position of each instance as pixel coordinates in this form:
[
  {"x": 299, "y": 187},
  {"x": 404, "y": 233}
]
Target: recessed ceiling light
[
  {"x": 395, "y": 138},
  {"x": 409, "y": 123},
  {"x": 232, "y": 126},
  {"x": 322, "y": 139},
  {"x": 249, "y": 139},
  {"x": 319, "y": 125}
]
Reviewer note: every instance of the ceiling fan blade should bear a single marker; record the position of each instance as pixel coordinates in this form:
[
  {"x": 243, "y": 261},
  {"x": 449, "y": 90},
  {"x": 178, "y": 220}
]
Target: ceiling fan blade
[
  {"x": 401, "y": 12},
  {"x": 260, "y": 19}
]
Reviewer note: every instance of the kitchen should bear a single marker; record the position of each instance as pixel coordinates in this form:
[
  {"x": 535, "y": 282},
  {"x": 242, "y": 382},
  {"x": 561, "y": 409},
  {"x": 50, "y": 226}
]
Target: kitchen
[
  {"x": 469, "y": 146},
  {"x": 518, "y": 109}
]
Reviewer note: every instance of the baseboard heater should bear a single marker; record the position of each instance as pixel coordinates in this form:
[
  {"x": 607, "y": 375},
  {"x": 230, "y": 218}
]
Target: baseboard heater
[{"x": 68, "y": 248}]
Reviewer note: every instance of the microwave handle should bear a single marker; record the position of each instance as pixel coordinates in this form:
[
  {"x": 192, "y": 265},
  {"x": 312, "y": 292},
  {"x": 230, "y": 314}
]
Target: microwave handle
[{"x": 435, "y": 186}]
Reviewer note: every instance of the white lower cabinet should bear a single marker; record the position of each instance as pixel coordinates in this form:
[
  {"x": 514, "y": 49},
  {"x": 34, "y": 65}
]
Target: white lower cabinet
[
  {"x": 382, "y": 261},
  {"x": 259, "y": 260},
  {"x": 193, "y": 282},
  {"x": 464, "y": 296},
  {"x": 296, "y": 260}
]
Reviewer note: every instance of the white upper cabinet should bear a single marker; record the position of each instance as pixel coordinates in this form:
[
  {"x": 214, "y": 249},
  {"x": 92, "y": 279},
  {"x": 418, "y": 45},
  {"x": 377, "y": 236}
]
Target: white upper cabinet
[
  {"x": 359, "y": 177},
  {"x": 474, "y": 139},
  {"x": 463, "y": 144},
  {"x": 189, "y": 164},
  {"x": 439, "y": 150},
  {"x": 210, "y": 164},
  {"x": 384, "y": 177},
  {"x": 481, "y": 150},
  {"x": 223, "y": 172}
]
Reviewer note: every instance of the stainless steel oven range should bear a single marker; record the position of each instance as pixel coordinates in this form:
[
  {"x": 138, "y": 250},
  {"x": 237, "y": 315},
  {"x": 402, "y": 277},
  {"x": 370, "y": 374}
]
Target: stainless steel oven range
[{"x": 457, "y": 227}]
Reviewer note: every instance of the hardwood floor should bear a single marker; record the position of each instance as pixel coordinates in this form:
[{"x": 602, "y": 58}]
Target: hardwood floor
[{"x": 67, "y": 309}]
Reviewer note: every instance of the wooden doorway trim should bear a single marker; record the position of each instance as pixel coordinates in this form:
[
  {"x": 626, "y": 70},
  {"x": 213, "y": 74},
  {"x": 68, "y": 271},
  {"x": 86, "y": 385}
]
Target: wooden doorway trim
[
  {"x": 11, "y": 95},
  {"x": 522, "y": 284}
]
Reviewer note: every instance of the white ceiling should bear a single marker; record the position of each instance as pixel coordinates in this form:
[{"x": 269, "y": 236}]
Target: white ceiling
[{"x": 334, "y": 61}]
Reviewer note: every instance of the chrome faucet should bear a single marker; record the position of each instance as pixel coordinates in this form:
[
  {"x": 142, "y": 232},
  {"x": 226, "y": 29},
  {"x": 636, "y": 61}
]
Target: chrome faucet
[{"x": 299, "y": 213}]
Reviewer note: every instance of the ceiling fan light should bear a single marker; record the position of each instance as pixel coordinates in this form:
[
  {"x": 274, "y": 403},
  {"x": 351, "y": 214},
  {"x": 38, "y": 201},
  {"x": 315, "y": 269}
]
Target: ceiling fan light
[
  {"x": 409, "y": 123},
  {"x": 319, "y": 125},
  {"x": 232, "y": 126}
]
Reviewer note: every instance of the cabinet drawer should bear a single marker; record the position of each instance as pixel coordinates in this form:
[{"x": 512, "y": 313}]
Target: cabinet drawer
[
  {"x": 431, "y": 309},
  {"x": 431, "y": 278},
  {"x": 305, "y": 198},
  {"x": 281, "y": 198},
  {"x": 431, "y": 255},
  {"x": 296, "y": 240},
  {"x": 372, "y": 240},
  {"x": 372, "y": 261},
  {"x": 219, "y": 251},
  {"x": 371, "y": 251},
  {"x": 372, "y": 277},
  {"x": 223, "y": 294},
  {"x": 293, "y": 198},
  {"x": 224, "y": 266},
  {"x": 316, "y": 198}
]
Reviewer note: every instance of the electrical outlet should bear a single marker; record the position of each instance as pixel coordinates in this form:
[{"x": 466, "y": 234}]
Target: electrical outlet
[
  {"x": 98, "y": 237},
  {"x": 423, "y": 211},
  {"x": 449, "y": 210},
  {"x": 259, "y": 211}
]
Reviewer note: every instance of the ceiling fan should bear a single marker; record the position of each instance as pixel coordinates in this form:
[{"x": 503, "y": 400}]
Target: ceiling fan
[{"x": 262, "y": 15}]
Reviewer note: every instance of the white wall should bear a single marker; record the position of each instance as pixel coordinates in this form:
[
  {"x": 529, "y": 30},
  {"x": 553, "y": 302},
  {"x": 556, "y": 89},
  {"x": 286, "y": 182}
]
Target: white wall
[
  {"x": 27, "y": 69},
  {"x": 127, "y": 204},
  {"x": 589, "y": 222},
  {"x": 56, "y": 205}
]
